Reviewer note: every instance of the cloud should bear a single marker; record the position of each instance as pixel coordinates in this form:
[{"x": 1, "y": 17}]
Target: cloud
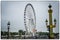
[{"x": 14, "y": 12}]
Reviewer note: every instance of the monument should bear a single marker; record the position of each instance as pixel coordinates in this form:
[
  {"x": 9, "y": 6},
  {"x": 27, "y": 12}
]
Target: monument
[{"x": 50, "y": 26}]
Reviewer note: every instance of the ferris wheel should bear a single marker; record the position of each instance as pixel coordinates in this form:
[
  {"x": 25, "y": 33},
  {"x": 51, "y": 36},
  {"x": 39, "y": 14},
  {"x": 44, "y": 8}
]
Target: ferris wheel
[{"x": 29, "y": 19}]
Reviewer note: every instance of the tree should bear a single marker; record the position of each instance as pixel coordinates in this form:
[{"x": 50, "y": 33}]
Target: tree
[{"x": 20, "y": 33}]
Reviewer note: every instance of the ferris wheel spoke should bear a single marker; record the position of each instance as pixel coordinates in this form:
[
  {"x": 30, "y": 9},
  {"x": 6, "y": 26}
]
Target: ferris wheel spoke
[{"x": 29, "y": 18}]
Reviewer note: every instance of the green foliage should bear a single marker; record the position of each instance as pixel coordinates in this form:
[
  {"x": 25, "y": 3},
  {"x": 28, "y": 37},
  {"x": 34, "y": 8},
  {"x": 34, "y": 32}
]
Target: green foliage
[
  {"x": 42, "y": 33},
  {"x": 21, "y": 32},
  {"x": 13, "y": 33},
  {"x": 4, "y": 33}
]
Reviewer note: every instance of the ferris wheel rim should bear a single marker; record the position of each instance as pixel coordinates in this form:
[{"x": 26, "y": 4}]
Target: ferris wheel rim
[{"x": 25, "y": 14}]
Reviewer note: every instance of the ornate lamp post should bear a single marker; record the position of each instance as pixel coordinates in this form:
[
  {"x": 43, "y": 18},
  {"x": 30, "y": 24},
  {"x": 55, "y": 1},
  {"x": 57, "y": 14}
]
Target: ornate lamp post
[
  {"x": 8, "y": 24},
  {"x": 50, "y": 26}
]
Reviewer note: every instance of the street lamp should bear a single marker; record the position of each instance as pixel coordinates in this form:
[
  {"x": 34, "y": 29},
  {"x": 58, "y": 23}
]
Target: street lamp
[
  {"x": 50, "y": 26},
  {"x": 55, "y": 22},
  {"x": 8, "y": 24},
  {"x": 46, "y": 22}
]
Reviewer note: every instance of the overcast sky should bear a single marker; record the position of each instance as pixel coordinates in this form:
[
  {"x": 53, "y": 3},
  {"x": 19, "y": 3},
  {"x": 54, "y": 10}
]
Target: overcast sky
[
  {"x": 29, "y": 0},
  {"x": 14, "y": 12}
]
